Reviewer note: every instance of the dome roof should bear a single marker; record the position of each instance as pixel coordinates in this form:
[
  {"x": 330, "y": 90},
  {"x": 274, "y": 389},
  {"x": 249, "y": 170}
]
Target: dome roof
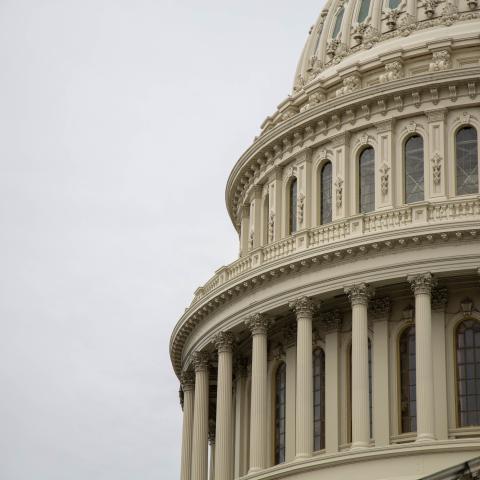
[{"x": 350, "y": 31}]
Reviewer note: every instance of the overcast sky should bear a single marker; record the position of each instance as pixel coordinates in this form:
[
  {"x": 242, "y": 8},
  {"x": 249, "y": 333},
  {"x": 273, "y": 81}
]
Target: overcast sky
[{"x": 120, "y": 121}]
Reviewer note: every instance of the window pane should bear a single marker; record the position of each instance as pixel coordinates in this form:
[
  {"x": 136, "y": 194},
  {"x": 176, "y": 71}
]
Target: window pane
[
  {"x": 293, "y": 206},
  {"x": 408, "y": 391},
  {"x": 338, "y": 23},
  {"x": 280, "y": 400},
  {"x": 326, "y": 197},
  {"x": 466, "y": 155},
  {"x": 392, "y": 4},
  {"x": 367, "y": 180},
  {"x": 364, "y": 9},
  {"x": 414, "y": 177},
  {"x": 468, "y": 366}
]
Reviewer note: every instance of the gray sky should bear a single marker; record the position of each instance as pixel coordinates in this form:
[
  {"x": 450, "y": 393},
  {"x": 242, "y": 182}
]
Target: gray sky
[{"x": 120, "y": 121}]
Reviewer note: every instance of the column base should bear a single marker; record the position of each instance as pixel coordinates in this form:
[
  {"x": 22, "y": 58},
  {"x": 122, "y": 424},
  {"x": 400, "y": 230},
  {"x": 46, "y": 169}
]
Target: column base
[
  {"x": 359, "y": 445},
  {"x": 302, "y": 456},
  {"x": 425, "y": 437}
]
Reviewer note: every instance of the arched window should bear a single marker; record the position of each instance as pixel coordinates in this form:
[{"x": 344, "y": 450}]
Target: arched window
[
  {"x": 363, "y": 11},
  {"x": 338, "y": 23},
  {"x": 468, "y": 373},
  {"x": 414, "y": 178},
  {"x": 366, "y": 190},
  {"x": 266, "y": 219},
  {"x": 318, "y": 399},
  {"x": 408, "y": 374},
  {"x": 293, "y": 206},
  {"x": 280, "y": 400},
  {"x": 326, "y": 194},
  {"x": 370, "y": 403},
  {"x": 466, "y": 156}
]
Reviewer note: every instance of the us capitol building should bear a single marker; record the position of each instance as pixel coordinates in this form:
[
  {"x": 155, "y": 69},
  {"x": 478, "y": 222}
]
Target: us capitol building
[{"x": 345, "y": 340}]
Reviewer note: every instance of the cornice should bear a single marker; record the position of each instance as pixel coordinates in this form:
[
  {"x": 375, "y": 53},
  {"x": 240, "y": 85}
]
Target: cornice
[
  {"x": 379, "y": 243},
  {"x": 359, "y": 109}
]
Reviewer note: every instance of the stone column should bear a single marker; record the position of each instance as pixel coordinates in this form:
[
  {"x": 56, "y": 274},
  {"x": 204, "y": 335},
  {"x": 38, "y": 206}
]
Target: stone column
[
  {"x": 359, "y": 295},
  {"x": 188, "y": 387},
  {"x": 331, "y": 322},
  {"x": 224, "y": 428},
  {"x": 245, "y": 230},
  {"x": 380, "y": 311},
  {"x": 422, "y": 288},
  {"x": 211, "y": 469},
  {"x": 303, "y": 308},
  {"x": 200, "y": 418},
  {"x": 290, "y": 342},
  {"x": 258, "y": 406},
  {"x": 241, "y": 459}
]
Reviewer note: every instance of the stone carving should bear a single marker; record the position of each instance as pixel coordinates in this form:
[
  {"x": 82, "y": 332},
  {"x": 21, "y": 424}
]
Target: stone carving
[
  {"x": 313, "y": 100},
  {"x": 350, "y": 84},
  {"x": 439, "y": 298},
  {"x": 440, "y": 61},
  {"x": 302, "y": 306},
  {"x": 380, "y": 307},
  {"x": 472, "y": 4},
  {"x": 359, "y": 294},
  {"x": 449, "y": 14},
  {"x": 407, "y": 25},
  {"x": 467, "y": 307},
  {"x": 223, "y": 341},
  {"x": 370, "y": 37},
  {"x": 257, "y": 323},
  {"x": 299, "y": 83},
  {"x": 411, "y": 127},
  {"x": 364, "y": 139},
  {"x": 289, "y": 334},
  {"x": 339, "y": 192},
  {"x": 331, "y": 321},
  {"x": 465, "y": 118},
  {"x": 300, "y": 207},
  {"x": 271, "y": 226},
  {"x": 393, "y": 71},
  {"x": 359, "y": 31},
  {"x": 391, "y": 18},
  {"x": 384, "y": 179},
  {"x": 187, "y": 380},
  {"x": 200, "y": 360},
  {"x": 408, "y": 313},
  {"x": 336, "y": 50},
  {"x": 437, "y": 168},
  {"x": 430, "y": 6},
  {"x": 422, "y": 284}
]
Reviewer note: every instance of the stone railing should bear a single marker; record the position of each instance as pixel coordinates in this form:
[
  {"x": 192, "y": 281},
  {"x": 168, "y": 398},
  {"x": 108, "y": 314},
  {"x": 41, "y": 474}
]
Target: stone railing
[{"x": 418, "y": 215}]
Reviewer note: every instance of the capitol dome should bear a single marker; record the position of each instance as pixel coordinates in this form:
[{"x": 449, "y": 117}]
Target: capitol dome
[{"x": 345, "y": 339}]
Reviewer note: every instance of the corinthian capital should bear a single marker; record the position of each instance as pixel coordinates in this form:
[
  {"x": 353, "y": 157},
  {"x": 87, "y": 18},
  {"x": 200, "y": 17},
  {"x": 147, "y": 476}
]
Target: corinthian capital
[
  {"x": 257, "y": 323},
  {"x": 380, "y": 307},
  {"x": 422, "y": 284},
  {"x": 200, "y": 361},
  {"x": 187, "y": 380},
  {"x": 359, "y": 294},
  {"x": 224, "y": 342},
  {"x": 302, "y": 306}
]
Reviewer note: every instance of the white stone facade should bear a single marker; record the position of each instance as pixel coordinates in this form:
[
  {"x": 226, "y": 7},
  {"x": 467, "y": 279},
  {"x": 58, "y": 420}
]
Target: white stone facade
[{"x": 344, "y": 252}]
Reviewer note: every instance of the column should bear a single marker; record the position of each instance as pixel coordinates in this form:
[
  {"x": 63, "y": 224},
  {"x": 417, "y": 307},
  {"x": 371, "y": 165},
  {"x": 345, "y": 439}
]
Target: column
[
  {"x": 332, "y": 323},
  {"x": 303, "y": 308},
  {"x": 380, "y": 311},
  {"x": 188, "y": 387},
  {"x": 258, "y": 410},
  {"x": 422, "y": 288},
  {"x": 256, "y": 215},
  {"x": 245, "y": 230},
  {"x": 439, "y": 305},
  {"x": 211, "y": 469},
  {"x": 359, "y": 295},
  {"x": 240, "y": 412},
  {"x": 224, "y": 428},
  {"x": 290, "y": 342},
  {"x": 200, "y": 418}
]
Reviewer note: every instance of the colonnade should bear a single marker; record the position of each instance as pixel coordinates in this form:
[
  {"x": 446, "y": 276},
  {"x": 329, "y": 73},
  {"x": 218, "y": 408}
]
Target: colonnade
[{"x": 196, "y": 388}]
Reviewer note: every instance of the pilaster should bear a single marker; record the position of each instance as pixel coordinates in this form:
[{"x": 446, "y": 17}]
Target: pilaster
[{"x": 436, "y": 166}]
